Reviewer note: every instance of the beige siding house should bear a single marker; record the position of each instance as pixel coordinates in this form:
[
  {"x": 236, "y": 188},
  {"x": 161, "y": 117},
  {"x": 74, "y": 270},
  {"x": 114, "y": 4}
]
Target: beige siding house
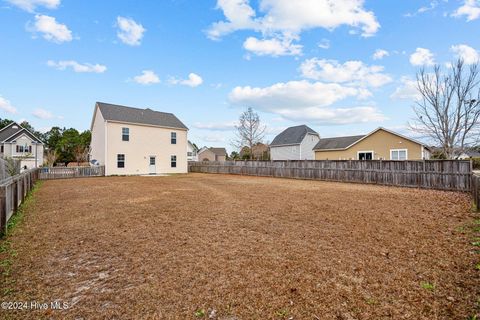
[
  {"x": 380, "y": 144},
  {"x": 19, "y": 143},
  {"x": 212, "y": 154},
  {"x": 132, "y": 141}
]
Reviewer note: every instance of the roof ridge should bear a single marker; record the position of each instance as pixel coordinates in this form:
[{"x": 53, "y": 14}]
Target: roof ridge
[{"x": 128, "y": 107}]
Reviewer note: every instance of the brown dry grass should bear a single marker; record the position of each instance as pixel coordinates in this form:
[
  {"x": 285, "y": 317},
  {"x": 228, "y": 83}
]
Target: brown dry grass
[{"x": 246, "y": 247}]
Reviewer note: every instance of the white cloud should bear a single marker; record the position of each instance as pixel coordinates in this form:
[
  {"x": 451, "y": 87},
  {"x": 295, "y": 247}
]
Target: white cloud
[
  {"x": 380, "y": 54},
  {"x": 51, "y": 29},
  {"x": 213, "y": 138},
  {"x": 43, "y": 114},
  {"x": 284, "y": 20},
  {"x": 273, "y": 47},
  {"x": 470, "y": 9},
  {"x": 324, "y": 44},
  {"x": 423, "y": 9},
  {"x": 6, "y": 106},
  {"x": 218, "y": 126},
  {"x": 422, "y": 57},
  {"x": 407, "y": 90},
  {"x": 147, "y": 77},
  {"x": 351, "y": 72},
  {"x": 194, "y": 80},
  {"x": 77, "y": 67},
  {"x": 31, "y": 5},
  {"x": 467, "y": 53},
  {"x": 130, "y": 32},
  {"x": 306, "y": 101}
]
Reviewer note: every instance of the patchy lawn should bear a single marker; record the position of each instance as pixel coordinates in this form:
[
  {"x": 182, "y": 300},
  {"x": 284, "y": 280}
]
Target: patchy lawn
[{"x": 233, "y": 247}]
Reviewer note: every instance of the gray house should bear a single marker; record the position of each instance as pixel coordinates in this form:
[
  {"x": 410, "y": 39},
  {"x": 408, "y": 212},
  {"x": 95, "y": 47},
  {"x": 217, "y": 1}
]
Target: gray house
[{"x": 294, "y": 143}]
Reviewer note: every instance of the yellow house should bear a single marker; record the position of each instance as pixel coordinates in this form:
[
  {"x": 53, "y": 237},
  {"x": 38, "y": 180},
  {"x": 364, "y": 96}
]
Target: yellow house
[{"x": 380, "y": 144}]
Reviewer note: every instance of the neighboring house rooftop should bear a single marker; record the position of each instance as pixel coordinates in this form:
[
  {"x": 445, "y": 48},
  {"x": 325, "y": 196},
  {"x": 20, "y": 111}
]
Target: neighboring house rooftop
[
  {"x": 13, "y": 130},
  {"x": 292, "y": 135},
  {"x": 336, "y": 143},
  {"x": 219, "y": 151},
  {"x": 114, "y": 112},
  {"x": 472, "y": 154},
  {"x": 341, "y": 143}
]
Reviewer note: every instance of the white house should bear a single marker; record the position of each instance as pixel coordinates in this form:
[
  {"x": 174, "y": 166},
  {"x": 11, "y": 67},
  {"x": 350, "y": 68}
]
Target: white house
[
  {"x": 132, "y": 141},
  {"x": 294, "y": 143},
  {"x": 191, "y": 152},
  {"x": 19, "y": 143}
]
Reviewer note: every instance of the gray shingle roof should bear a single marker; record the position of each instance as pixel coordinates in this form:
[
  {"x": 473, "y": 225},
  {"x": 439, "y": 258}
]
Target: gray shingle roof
[
  {"x": 119, "y": 113},
  {"x": 336, "y": 143},
  {"x": 292, "y": 135},
  {"x": 9, "y": 133},
  {"x": 219, "y": 151}
]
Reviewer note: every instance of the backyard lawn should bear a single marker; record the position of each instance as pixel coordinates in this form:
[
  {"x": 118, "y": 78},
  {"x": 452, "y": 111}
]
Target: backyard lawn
[{"x": 232, "y": 247}]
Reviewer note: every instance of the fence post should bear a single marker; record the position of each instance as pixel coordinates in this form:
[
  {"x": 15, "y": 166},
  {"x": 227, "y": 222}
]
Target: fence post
[{"x": 3, "y": 211}]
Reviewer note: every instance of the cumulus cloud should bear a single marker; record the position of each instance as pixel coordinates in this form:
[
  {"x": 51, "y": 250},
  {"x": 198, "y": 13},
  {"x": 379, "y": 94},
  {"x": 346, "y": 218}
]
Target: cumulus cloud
[
  {"x": 130, "y": 32},
  {"x": 467, "y": 53},
  {"x": 380, "y": 54},
  {"x": 304, "y": 100},
  {"x": 6, "y": 106},
  {"x": 351, "y": 72},
  {"x": 406, "y": 90},
  {"x": 470, "y": 9},
  {"x": 422, "y": 57},
  {"x": 147, "y": 77},
  {"x": 44, "y": 114},
  {"x": 194, "y": 80},
  {"x": 51, "y": 29},
  {"x": 285, "y": 20},
  {"x": 77, "y": 67},
  {"x": 31, "y": 5},
  {"x": 216, "y": 126},
  {"x": 274, "y": 47}
]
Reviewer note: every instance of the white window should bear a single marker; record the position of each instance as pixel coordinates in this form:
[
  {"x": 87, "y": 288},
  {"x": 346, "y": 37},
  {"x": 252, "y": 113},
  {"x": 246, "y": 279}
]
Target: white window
[{"x": 398, "y": 154}]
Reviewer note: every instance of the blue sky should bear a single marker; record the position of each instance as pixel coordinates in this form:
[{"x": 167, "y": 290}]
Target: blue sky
[{"x": 344, "y": 68}]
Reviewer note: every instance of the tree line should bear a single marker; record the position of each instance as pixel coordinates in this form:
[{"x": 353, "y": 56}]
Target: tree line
[{"x": 62, "y": 145}]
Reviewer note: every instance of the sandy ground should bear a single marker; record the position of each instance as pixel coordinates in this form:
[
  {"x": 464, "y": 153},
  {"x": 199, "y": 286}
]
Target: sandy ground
[{"x": 231, "y": 247}]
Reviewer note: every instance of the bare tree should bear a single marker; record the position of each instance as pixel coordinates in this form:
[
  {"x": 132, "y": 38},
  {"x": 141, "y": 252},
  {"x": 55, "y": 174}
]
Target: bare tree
[
  {"x": 51, "y": 157},
  {"x": 80, "y": 153},
  {"x": 448, "y": 111},
  {"x": 250, "y": 130}
]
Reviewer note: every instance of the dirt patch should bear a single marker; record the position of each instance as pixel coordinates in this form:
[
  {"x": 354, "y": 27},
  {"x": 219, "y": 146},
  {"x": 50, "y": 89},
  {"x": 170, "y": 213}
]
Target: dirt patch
[{"x": 233, "y": 247}]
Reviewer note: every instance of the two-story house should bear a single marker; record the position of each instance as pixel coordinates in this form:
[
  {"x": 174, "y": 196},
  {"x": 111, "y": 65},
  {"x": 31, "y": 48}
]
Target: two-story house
[
  {"x": 19, "y": 143},
  {"x": 132, "y": 141}
]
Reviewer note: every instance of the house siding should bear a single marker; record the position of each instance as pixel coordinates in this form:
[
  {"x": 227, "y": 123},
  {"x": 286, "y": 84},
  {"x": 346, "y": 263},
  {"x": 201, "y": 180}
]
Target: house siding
[
  {"x": 144, "y": 141},
  {"x": 207, "y": 155},
  {"x": 302, "y": 151},
  {"x": 380, "y": 142},
  {"x": 29, "y": 160},
  {"x": 306, "y": 147},
  {"x": 97, "y": 143}
]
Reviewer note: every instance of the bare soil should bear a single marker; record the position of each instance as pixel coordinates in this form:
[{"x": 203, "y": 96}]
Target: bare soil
[{"x": 233, "y": 247}]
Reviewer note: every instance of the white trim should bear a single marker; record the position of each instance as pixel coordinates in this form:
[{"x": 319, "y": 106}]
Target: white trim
[
  {"x": 366, "y": 151},
  {"x": 22, "y": 128},
  {"x": 406, "y": 154}
]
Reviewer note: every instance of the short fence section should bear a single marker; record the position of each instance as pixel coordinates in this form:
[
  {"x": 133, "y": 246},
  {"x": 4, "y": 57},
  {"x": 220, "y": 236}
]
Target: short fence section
[
  {"x": 12, "y": 193},
  {"x": 476, "y": 191},
  {"x": 432, "y": 174},
  {"x": 47, "y": 173}
]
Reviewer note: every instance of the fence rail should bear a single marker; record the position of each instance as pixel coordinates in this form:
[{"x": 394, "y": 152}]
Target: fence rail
[
  {"x": 13, "y": 191},
  {"x": 476, "y": 191},
  {"x": 453, "y": 175},
  {"x": 48, "y": 173}
]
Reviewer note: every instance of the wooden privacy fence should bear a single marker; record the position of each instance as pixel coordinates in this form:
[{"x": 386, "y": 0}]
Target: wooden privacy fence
[
  {"x": 13, "y": 191},
  {"x": 476, "y": 191},
  {"x": 48, "y": 173},
  {"x": 432, "y": 174}
]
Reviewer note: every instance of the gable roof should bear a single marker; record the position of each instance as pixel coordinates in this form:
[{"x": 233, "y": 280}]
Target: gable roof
[
  {"x": 219, "y": 151},
  {"x": 472, "y": 153},
  {"x": 336, "y": 143},
  {"x": 292, "y": 135},
  {"x": 341, "y": 143},
  {"x": 10, "y": 133},
  {"x": 114, "y": 112}
]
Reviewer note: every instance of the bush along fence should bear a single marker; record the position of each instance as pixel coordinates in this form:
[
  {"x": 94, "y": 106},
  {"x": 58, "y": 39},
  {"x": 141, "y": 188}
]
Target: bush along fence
[
  {"x": 48, "y": 173},
  {"x": 453, "y": 175},
  {"x": 476, "y": 191},
  {"x": 13, "y": 191}
]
